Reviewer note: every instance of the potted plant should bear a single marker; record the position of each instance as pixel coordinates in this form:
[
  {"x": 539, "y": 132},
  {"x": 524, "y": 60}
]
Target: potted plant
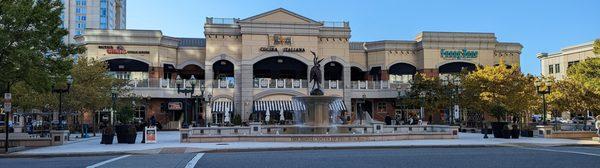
[
  {"x": 498, "y": 127},
  {"x": 126, "y": 132},
  {"x": 108, "y": 135}
]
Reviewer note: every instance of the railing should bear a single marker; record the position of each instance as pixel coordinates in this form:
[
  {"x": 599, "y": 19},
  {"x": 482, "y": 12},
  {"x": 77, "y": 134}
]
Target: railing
[
  {"x": 280, "y": 83},
  {"x": 160, "y": 83},
  {"x": 366, "y": 85},
  {"x": 223, "y": 84},
  {"x": 346, "y": 129},
  {"x": 335, "y": 24},
  {"x": 333, "y": 84},
  {"x": 211, "y": 20}
]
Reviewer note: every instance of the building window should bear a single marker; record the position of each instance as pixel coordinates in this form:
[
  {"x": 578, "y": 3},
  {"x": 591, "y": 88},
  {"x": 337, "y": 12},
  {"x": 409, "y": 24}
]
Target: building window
[
  {"x": 550, "y": 69},
  {"x": 557, "y": 68},
  {"x": 381, "y": 105},
  {"x": 571, "y": 63}
]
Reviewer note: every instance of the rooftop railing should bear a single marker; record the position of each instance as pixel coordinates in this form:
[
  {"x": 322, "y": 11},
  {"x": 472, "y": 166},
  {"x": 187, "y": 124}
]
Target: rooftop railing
[
  {"x": 211, "y": 20},
  {"x": 335, "y": 24}
]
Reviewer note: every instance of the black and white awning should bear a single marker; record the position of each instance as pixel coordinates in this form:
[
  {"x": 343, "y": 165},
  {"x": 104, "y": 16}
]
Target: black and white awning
[
  {"x": 277, "y": 105},
  {"x": 337, "y": 105},
  {"x": 291, "y": 105},
  {"x": 222, "y": 106}
]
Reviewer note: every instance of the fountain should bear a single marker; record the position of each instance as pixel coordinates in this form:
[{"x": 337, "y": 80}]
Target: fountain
[
  {"x": 317, "y": 124},
  {"x": 315, "y": 119}
]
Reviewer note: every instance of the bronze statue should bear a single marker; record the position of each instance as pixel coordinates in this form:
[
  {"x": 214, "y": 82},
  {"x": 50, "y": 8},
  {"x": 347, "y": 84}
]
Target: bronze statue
[{"x": 315, "y": 75}]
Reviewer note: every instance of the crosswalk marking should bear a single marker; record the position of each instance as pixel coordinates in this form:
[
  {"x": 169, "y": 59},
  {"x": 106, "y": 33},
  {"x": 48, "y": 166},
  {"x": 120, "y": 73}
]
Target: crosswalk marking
[
  {"x": 562, "y": 151},
  {"x": 194, "y": 160},
  {"x": 107, "y": 161}
]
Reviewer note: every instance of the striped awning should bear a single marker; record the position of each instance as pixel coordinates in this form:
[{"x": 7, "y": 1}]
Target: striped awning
[
  {"x": 277, "y": 105},
  {"x": 221, "y": 106},
  {"x": 291, "y": 105},
  {"x": 337, "y": 105}
]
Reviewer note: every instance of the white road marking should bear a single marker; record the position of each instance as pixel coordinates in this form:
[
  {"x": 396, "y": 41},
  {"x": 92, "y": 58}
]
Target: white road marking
[
  {"x": 107, "y": 161},
  {"x": 194, "y": 160},
  {"x": 562, "y": 151}
]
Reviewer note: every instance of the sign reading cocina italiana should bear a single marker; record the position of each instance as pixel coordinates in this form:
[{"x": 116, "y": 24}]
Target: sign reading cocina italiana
[
  {"x": 458, "y": 54},
  {"x": 284, "y": 49}
]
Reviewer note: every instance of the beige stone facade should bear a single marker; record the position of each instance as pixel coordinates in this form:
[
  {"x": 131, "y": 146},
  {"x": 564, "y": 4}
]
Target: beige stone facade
[
  {"x": 556, "y": 64},
  {"x": 238, "y": 57}
]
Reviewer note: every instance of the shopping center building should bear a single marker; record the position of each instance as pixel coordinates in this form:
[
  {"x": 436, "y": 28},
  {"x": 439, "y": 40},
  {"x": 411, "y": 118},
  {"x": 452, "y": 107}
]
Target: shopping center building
[
  {"x": 556, "y": 64},
  {"x": 255, "y": 65}
]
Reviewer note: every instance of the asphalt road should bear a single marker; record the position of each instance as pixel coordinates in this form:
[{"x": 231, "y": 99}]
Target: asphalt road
[{"x": 407, "y": 157}]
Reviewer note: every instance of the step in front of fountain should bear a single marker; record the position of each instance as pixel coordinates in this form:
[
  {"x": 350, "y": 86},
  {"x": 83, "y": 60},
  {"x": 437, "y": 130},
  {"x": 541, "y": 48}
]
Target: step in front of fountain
[{"x": 319, "y": 137}]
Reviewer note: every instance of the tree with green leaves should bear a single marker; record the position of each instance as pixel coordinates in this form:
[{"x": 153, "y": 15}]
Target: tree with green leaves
[
  {"x": 31, "y": 46},
  {"x": 426, "y": 92},
  {"x": 494, "y": 86},
  {"x": 91, "y": 89}
]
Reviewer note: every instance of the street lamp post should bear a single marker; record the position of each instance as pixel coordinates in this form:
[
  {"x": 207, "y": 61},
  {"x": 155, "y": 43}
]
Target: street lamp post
[
  {"x": 422, "y": 109},
  {"x": 60, "y": 92},
  {"x": 185, "y": 90},
  {"x": 198, "y": 99},
  {"x": 114, "y": 92},
  {"x": 543, "y": 91}
]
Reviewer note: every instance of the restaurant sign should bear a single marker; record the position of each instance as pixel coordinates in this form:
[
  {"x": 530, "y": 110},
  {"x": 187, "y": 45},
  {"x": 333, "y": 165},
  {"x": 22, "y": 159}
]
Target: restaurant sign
[
  {"x": 287, "y": 49},
  {"x": 458, "y": 54},
  {"x": 121, "y": 50}
]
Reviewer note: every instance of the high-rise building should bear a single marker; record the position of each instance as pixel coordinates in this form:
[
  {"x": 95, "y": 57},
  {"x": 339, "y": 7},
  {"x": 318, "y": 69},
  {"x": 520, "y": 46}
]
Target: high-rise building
[{"x": 79, "y": 15}]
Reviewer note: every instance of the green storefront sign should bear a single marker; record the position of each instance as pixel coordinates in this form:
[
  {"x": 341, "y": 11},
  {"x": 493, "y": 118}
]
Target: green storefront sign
[{"x": 458, "y": 54}]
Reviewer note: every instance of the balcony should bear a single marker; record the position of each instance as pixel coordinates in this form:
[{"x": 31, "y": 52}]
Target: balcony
[
  {"x": 223, "y": 84},
  {"x": 280, "y": 83},
  {"x": 221, "y": 21},
  {"x": 333, "y": 84}
]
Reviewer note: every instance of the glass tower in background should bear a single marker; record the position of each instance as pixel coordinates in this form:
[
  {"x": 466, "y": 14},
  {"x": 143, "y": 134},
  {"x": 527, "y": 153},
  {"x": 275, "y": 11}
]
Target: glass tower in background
[{"x": 79, "y": 15}]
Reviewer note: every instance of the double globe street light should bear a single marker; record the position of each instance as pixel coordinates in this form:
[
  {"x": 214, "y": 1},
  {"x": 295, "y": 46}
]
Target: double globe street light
[
  {"x": 197, "y": 98},
  {"x": 543, "y": 90},
  {"x": 60, "y": 92}
]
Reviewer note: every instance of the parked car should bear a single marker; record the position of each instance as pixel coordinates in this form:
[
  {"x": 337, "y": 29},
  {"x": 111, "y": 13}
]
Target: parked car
[{"x": 581, "y": 120}]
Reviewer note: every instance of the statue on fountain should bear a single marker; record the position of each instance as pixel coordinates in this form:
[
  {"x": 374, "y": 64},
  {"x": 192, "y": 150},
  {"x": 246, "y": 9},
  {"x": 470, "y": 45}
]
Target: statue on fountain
[{"x": 315, "y": 75}]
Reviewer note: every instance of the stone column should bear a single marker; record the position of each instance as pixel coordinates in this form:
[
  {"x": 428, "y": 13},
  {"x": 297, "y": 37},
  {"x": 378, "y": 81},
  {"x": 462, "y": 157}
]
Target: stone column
[
  {"x": 246, "y": 91},
  {"x": 240, "y": 80},
  {"x": 347, "y": 88},
  {"x": 209, "y": 76}
]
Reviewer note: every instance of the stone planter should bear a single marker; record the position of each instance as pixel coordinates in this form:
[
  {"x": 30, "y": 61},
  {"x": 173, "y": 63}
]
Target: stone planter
[{"x": 126, "y": 134}]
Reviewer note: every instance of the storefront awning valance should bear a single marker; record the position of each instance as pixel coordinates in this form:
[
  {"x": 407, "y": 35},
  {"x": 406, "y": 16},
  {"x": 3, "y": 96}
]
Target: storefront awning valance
[
  {"x": 337, "y": 105},
  {"x": 222, "y": 106},
  {"x": 291, "y": 105}
]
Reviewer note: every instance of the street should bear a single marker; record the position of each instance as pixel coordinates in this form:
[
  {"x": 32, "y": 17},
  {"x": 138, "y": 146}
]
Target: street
[{"x": 401, "y": 157}]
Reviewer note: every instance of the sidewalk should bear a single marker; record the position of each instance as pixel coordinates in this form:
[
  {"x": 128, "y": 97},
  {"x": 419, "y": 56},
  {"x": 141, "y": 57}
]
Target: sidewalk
[{"x": 168, "y": 142}]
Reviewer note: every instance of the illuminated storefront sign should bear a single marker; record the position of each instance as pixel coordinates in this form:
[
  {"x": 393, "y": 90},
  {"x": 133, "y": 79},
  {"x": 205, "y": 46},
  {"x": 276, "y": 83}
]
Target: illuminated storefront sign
[{"x": 458, "y": 54}]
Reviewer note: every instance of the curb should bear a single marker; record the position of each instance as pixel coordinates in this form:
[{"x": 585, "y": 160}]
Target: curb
[{"x": 203, "y": 150}]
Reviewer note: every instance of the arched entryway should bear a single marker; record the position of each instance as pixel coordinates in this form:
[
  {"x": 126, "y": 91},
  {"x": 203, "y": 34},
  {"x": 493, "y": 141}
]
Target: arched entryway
[
  {"x": 356, "y": 74},
  {"x": 401, "y": 73},
  {"x": 456, "y": 67},
  {"x": 333, "y": 75},
  {"x": 223, "y": 72},
  {"x": 333, "y": 71},
  {"x": 128, "y": 69},
  {"x": 187, "y": 71},
  {"x": 280, "y": 72}
]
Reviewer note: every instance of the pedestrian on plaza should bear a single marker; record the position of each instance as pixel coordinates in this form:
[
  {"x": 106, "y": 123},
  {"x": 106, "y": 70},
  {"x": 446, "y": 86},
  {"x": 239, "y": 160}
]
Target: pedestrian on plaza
[
  {"x": 388, "y": 119},
  {"x": 153, "y": 121}
]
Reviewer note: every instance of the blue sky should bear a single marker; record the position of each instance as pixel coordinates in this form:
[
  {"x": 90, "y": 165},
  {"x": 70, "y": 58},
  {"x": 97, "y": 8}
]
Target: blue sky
[{"x": 539, "y": 25}]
